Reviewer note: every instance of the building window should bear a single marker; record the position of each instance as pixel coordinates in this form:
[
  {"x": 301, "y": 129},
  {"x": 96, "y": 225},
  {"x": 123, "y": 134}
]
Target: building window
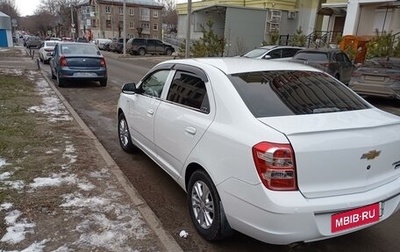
[
  {"x": 155, "y": 27},
  {"x": 144, "y": 14},
  {"x": 131, "y": 25},
  {"x": 145, "y": 26},
  {"x": 155, "y": 13},
  {"x": 108, "y": 23},
  {"x": 131, "y": 12},
  {"x": 121, "y": 11},
  {"x": 108, "y": 9}
]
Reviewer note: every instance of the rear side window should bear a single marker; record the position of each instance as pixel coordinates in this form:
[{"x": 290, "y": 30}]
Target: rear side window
[
  {"x": 312, "y": 56},
  {"x": 189, "y": 90},
  {"x": 282, "y": 93},
  {"x": 289, "y": 52}
]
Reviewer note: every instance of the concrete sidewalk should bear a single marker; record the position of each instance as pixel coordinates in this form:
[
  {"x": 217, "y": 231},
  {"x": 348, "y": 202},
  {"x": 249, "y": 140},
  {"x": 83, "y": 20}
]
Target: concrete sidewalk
[{"x": 156, "y": 238}]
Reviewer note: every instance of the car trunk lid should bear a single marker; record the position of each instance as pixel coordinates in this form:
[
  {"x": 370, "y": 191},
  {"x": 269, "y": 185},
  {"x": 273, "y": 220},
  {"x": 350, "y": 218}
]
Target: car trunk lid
[
  {"x": 344, "y": 152},
  {"x": 75, "y": 62}
]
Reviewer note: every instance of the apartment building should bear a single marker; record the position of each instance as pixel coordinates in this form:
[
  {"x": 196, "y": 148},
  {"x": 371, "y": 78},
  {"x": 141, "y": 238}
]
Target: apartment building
[{"x": 105, "y": 19}]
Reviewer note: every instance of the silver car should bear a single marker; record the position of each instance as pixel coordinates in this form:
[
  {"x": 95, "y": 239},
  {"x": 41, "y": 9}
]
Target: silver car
[
  {"x": 272, "y": 52},
  {"x": 378, "y": 77}
]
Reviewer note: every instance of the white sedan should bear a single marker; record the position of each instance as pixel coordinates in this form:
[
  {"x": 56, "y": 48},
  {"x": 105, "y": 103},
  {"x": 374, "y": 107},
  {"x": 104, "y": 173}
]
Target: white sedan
[
  {"x": 45, "y": 50},
  {"x": 279, "y": 151}
]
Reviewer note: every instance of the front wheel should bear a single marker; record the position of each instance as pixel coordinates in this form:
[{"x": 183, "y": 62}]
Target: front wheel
[
  {"x": 206, "y": 209},
  {"x": 142, "y": 52},
  {"x": 124, "y": 135}
]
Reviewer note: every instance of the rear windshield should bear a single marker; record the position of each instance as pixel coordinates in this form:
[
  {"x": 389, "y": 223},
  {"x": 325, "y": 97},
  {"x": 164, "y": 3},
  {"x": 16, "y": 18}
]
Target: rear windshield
[
  {"x": 80, "y": 49},
  {"x": 51, "y": 43},
  {"x": 255, "y": 53},
  {"x": 282, "y": 93},
  {"x": 312, "y": 56}
]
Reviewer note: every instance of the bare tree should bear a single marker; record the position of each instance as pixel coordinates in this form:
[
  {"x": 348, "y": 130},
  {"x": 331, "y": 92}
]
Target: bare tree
[
  {"x": 169, "y": 15},
  {"x": 8, "y": 7}
]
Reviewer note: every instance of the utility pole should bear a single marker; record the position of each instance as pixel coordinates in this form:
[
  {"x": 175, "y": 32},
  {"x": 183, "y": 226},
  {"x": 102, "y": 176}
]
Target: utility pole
[
  {"x": 189, "y": 17},
  {"x": 72, "y": 22},
  {"x": 124, "y": 27}
]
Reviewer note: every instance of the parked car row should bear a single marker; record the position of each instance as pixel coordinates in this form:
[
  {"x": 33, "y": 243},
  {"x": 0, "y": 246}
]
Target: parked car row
[
  {"x": 136, "y": 46},
  {"x": 378, "y": 77},
  {"x": 245, "y": 138}
]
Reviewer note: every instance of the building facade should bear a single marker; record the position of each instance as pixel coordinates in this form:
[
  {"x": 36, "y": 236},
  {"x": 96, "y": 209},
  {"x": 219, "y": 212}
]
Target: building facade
[
  {"x": 246, "y": 25},
  {"x": 105, "y": 19}
]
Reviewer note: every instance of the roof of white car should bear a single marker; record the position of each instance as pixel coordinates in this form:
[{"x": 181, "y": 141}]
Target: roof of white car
[{"x": 231, "y": 65}]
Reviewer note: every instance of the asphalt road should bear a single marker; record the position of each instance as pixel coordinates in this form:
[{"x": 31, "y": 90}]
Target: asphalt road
[{"x": 97, "y": 107}]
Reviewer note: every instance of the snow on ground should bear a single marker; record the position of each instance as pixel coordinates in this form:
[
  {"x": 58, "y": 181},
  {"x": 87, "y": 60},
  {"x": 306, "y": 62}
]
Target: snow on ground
[{"x": 113, "y": 233}]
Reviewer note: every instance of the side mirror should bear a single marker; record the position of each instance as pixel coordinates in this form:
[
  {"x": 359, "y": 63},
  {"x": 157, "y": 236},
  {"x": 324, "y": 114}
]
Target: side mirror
[
  {"x": 130, "y": 88},
  {"x": 267, "y": 57}
]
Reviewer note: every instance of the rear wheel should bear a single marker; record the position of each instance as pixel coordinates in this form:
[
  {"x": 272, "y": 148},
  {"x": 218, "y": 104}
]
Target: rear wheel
[
  {"x": 206, "y": 209},
  {"x": 103, "y": 83},
  {"x": 124, "y": 135},
  {"x": 52, "y": 73},
  {"x": 60, "y": 81}
]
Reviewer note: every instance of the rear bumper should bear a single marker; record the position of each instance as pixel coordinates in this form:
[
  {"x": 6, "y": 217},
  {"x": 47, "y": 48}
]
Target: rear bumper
[
  {"x": 80, "y": 74},
  {"x": 288, "y": 217},
  {"x": 377, "y": 90}
]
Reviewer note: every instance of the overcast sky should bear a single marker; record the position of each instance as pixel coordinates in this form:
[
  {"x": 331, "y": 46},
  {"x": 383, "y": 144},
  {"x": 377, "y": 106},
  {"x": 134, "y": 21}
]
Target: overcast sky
[{"x": 26, "y": 7}]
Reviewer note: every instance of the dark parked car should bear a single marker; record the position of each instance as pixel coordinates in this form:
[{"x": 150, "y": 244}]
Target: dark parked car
[
  {"x": 144, "y": 46},
  {"x": 82, "y": 40},
  {"x": 333, "y": 61},
  {"x": 119, "y": 45},
  {"x": 377, "y": 77},
  {"x": 33, "y": 41},
  {"x": 78, "y": 61}
]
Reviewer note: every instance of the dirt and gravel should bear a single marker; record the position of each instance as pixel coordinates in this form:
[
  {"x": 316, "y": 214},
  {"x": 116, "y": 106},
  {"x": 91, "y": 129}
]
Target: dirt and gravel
[{"x": 59, "y": 190}]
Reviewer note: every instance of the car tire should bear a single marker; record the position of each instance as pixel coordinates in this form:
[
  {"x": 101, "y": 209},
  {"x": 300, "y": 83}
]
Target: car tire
[
  {"x": 141, "y": 52},
  {"x": 52, "y": 74},
  {"x": 124, "y": 135},
  {"x": 103, "y": 83},
  {"x": 168, "y": 52},
  {"x": 60, "y": 81},
  {"x": 206, "y": 211}
]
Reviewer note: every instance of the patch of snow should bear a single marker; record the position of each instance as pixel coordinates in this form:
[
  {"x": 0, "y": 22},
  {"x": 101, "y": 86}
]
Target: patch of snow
[
  {"x": 16, "y": 230},
  {"x": 5, "y": 175},
  {"x": 5, "y": 206}
]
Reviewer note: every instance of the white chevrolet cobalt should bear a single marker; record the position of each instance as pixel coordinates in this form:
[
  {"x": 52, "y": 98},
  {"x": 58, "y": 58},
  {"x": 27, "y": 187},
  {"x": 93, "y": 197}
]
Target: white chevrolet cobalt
[{"x": 279, "y": 151}]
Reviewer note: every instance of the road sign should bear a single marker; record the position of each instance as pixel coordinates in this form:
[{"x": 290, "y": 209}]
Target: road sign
[{"x": 73, "y": 30}]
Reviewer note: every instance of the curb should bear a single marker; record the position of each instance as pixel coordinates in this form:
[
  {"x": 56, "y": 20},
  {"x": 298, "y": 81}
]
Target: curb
[{"x": 167, "y": 241}]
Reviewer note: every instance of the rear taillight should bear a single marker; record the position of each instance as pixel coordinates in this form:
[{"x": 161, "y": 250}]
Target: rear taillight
[
  {"x": 103, "y": 62},
  {"x": 63, "y": 61},
  {"x": 275, "y": 166}
]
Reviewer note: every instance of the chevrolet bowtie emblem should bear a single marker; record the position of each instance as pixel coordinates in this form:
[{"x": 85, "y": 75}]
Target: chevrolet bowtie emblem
[{"x": 370, "y": 155}]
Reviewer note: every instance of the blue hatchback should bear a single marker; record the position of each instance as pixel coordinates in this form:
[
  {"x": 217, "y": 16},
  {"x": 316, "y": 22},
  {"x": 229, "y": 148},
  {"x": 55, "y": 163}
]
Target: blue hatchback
[{"x": 78, "y": 61}]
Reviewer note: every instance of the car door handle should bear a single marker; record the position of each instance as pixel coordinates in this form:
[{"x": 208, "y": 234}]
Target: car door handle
[
  {"x": 150, "y": 112},
  {"x": 191, "y": 130}
]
